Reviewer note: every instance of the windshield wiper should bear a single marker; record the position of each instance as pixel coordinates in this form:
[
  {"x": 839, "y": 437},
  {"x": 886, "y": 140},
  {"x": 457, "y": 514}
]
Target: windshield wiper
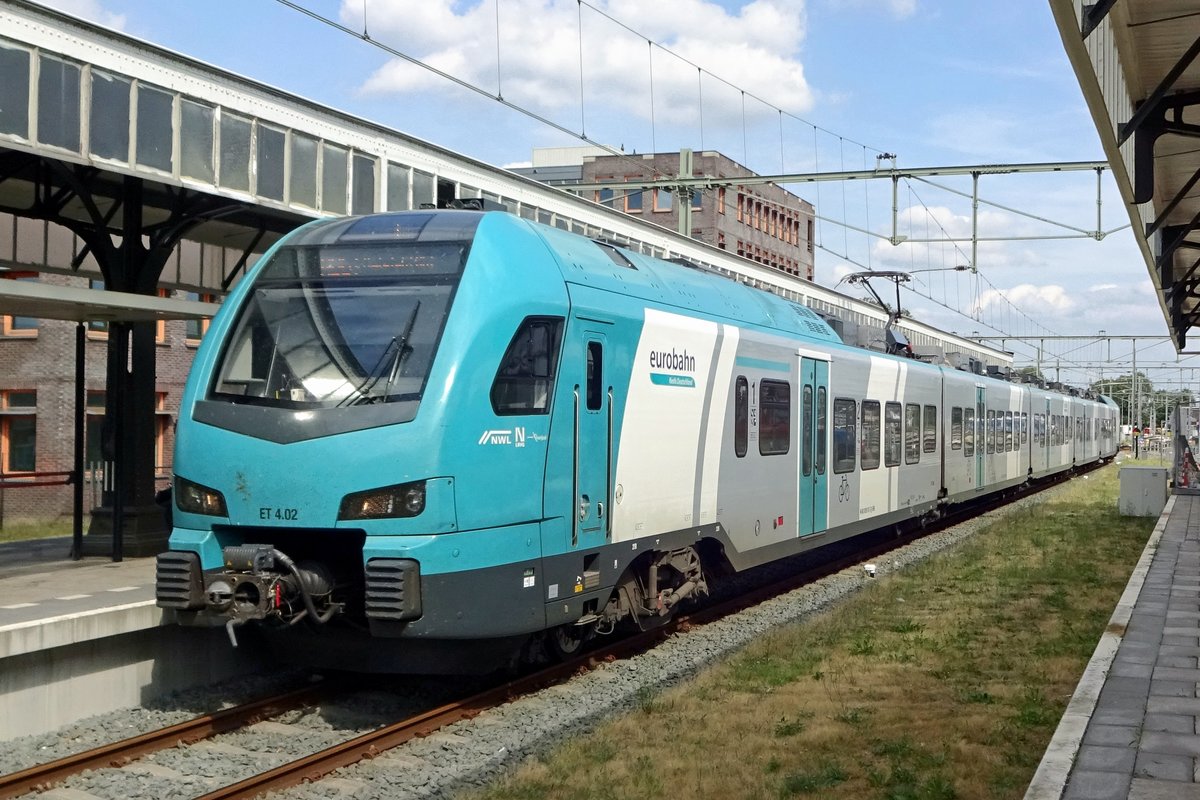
[{"x": 362, "y": 392}]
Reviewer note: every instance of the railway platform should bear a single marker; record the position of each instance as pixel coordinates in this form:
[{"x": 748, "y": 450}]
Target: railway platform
[
  {"x": 79, "y": 638},
  {"x": 1132, "y": 728}
]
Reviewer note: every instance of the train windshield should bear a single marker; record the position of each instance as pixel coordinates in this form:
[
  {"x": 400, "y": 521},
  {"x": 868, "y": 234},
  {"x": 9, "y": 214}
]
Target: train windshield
[{"x": 340, "y": 325}]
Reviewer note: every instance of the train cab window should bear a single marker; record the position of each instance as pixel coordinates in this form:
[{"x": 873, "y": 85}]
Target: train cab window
[
  {"x": 956, "y": 428},
  {"x": 929, "y": 431},
  {"x": 991, "y": 432},
  {"x": 912, "y": 433},
  {"x": 595, "y": 375},
  {"x": 870, "y": 434},
  {"x": 741, "y": 416},
  {"x": 892, "y": 431},
  {"x": 525, "y": 380},
  {"x": 1008, "y": 431},
  {"x": 845, "y": 417},
  {"x": 774, "y": 417},
  {"x": 822, "y": 424},
  {"x": 969, "y": 432}
]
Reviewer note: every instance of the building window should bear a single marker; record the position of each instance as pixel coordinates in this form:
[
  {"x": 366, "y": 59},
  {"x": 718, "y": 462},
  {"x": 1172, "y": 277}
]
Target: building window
[
  {"x": 721, "y": 200},
  {"x": 662, "y": 200},
  {"x": 162, "y": 423},
  {"x": 697, "y": 199},
  {"x": 94, "y": 429},
  {"x": 97, "y": 329},
  {"x": 810, "y": 236},
  {"x": 196, "y": 328},
  {"x": 18, "y": 430},
  {"x": 12, "y": 325},
  {"x": 633, "y": 201},
  {"x": 160, "y": 326}
]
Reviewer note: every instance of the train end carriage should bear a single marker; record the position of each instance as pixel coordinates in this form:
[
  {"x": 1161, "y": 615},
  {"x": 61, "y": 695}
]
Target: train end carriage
[
  {"x": 1109, "y": 422},
  {"x": 1086, "y": 440}
]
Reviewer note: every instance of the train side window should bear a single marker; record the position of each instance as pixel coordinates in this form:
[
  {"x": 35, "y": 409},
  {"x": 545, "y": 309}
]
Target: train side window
[
  {"x": 774, "y": 417},
  {"x": 930, "y": 430},
  {"x": 525, "y": 381},
  {"x": 1008, "y": 431},
  {"x": 969, "y": 432},
  {"x": 870, "y": 434},
  {"x": 845, "y": 435},
  {"x": 1024, "y": 427},
  {"x": 956, "y": 428},
  {"x": 990, "y": 437},
  {"x": 806, "y": 426},
  {"x": 741, "y": 416},
  {"x": 912, "y": 433},
  {"x": 822, "y": 424},
  {"x": 892, "y": 431},
  {"x": 595, "y": 375}
]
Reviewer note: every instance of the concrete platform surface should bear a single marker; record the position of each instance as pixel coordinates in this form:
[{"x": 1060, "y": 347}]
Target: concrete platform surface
[{"x": 1132, "y": 728}]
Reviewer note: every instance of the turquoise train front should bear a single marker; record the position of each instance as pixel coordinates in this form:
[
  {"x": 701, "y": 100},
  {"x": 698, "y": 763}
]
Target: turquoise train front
[
  {"x": 404, "y": 443},
  {"x": 364, "y": 437}
]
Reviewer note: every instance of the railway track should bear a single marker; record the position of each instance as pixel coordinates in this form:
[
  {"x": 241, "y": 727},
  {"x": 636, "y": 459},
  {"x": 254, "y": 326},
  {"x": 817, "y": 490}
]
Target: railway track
[
  {"x": 366, "y": 746},
  {"x": 128, "y": 750}
]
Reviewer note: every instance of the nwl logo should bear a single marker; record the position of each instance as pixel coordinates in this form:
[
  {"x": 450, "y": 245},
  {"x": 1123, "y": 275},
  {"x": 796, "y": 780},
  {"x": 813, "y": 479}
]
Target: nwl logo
[
  {"x": 496, "y": 437},
  {"x": 515, "y": 437}
]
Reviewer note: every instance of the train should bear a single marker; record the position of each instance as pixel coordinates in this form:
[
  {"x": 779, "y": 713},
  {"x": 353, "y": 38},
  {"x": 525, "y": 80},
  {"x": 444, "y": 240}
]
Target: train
[{"x": 440, "y": 440}]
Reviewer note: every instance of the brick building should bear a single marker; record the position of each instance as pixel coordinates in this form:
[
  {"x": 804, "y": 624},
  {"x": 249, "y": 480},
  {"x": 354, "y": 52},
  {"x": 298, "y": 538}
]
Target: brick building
[
  {"x": 37, "y": 404},
  {"x": 761, "y": 222}
]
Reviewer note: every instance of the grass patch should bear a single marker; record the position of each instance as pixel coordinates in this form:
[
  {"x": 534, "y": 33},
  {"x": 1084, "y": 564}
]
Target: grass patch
[
  {"x": 945, "y": 680},
  {"x": 21, "y": 531}
]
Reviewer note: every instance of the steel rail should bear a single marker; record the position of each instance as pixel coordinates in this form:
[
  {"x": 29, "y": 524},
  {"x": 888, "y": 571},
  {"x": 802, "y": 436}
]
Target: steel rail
[{"x": 117, "y": 754}]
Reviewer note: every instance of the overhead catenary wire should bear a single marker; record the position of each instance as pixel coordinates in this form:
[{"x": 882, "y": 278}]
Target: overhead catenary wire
[{"x": 581, "y": 134}]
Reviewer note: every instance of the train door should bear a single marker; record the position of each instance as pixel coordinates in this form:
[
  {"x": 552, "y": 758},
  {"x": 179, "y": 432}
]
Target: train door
[
  {"x": 592, "y": 449},
  {"x": 814, "y": 438},
  {"x": 980, "y": 436}
]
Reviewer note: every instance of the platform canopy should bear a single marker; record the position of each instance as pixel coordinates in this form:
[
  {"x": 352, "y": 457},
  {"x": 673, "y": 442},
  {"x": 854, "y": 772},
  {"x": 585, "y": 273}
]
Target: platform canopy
[
  {"x": 1136, "y": 62},
  {"x": 49, "y": 301}
]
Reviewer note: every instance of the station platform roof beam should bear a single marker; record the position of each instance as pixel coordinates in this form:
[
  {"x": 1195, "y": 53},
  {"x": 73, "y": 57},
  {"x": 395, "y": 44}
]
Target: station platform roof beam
[{"x": 1138, "y": 64}]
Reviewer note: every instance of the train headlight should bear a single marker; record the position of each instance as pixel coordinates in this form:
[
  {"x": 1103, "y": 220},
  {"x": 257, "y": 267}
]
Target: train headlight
[
  {"x": 401, "y": 500},
  {"x": 196, "y": 499}
]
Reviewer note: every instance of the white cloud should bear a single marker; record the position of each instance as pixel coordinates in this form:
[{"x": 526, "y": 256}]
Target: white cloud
[
  {"x": 91, "y": 10},
  {"x": 539, "y": 53}
]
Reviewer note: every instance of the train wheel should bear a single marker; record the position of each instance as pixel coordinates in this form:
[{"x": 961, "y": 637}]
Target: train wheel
[{"x": 567, "y": 641}]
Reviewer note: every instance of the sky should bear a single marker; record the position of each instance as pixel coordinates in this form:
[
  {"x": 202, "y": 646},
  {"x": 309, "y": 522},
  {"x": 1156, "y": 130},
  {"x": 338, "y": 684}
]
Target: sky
[{"x": 779, "y": 85}]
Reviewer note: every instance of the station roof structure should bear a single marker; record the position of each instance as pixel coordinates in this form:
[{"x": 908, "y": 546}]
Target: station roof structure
[{"x": 1136, "y": 64}]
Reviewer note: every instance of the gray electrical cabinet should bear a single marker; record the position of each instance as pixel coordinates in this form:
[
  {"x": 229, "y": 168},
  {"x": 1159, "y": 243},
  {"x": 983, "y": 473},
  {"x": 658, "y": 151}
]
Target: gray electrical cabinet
[{"x": 1143, "y": 491}]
